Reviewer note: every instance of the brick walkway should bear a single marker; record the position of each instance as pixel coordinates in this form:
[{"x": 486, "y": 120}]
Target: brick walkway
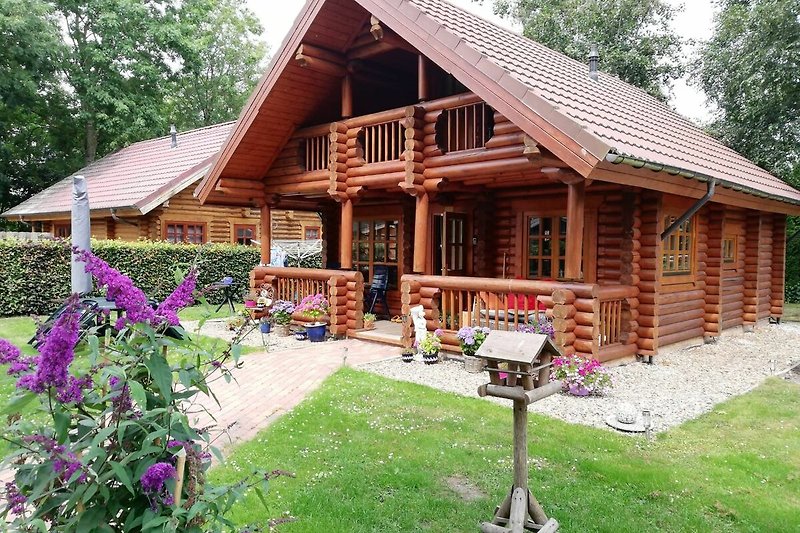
[{"x": 272, "y": 383}]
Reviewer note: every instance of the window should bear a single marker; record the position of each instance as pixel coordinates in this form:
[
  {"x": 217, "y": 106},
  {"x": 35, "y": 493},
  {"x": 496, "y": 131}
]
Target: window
[
  {"x": 244, "y": 234},
  {"x": 62, "y": 230},
  {"x": 311, "y": 233},
  {"x": 678, "y": 255},
  {"x": 375, "y": 242},
  {"x": 464, "y": 128},
  {"x": 546, "y": 247},
  {"x": 729, "y": 249},
  {"x": 188, "y": 232}
]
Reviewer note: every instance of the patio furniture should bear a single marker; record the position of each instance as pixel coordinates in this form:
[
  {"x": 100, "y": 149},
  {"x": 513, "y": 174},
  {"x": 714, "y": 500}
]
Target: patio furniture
[
  {"x": 377, "y": 290},
  {"x": 226, "y": 284}
]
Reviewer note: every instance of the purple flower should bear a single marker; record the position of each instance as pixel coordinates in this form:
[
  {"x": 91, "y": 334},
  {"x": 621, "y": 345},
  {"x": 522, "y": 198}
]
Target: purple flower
[
  {"x": 65, "y": 463},
  {"x": 119, "y": 289},
  {"x": 8, "y": 352},
  {"x": 16, "y": 501},
  {"x": 181, "y": 297},
  {"x": 154, "y": 477},
  {"x": 72, "y": 392}
]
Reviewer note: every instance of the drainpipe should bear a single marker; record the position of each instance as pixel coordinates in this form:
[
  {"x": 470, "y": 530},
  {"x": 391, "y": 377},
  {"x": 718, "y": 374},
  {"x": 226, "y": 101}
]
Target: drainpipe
[{"x": 712, "y": 185}]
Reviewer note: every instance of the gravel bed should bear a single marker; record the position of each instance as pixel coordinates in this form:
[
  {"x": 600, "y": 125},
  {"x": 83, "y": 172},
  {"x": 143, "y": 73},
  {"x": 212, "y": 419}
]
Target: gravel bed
[
  {"x": 218, "y": 328},
  {"x": 681, "y": 384}
]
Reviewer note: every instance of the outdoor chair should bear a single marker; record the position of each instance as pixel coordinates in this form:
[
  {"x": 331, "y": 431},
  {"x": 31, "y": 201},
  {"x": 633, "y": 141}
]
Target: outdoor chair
[{"x": 377, "y": 290}]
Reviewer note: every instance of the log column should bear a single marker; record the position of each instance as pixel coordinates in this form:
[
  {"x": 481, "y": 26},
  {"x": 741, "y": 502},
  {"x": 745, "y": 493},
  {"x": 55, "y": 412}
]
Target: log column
[
  {"x": 266, "y": 234},
  {"x": 347, "y": 96},
  {"x": 575, "y": 220},
  {"x": 421, "y": 233},
  {"x": 346, "y": 236},
  {"x": 422, "y": 78}
]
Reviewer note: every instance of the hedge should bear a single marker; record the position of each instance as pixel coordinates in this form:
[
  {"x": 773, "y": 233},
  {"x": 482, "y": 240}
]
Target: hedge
[{"x": 35, "y": 276}]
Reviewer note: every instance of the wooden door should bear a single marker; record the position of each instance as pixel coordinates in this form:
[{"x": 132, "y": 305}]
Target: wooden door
[{"x": 451, "y": 244}]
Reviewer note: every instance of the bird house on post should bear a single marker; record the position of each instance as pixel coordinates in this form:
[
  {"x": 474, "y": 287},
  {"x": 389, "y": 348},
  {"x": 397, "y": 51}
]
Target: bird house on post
[{"x": 527, "y": 359}]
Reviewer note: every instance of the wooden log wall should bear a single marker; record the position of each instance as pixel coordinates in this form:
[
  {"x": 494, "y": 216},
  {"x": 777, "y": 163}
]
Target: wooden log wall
[
  {"x": 612, "y": 260},
  {"x": 778, "y": 265},
  {"x": 715, "y": 267},
  {"x": 754, "y": 231},
  {"x": 632, "y": 243},
  {"x": 345, "y": 292},
  {"x": 650, "y": 272}
]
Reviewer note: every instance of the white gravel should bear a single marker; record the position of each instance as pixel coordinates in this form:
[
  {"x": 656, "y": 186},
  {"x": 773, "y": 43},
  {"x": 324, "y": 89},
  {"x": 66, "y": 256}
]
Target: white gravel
[{"x": 682, "y": 384}]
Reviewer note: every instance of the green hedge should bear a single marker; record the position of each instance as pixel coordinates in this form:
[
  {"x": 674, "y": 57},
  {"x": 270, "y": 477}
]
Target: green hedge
[{"x": 35, "y": 276}]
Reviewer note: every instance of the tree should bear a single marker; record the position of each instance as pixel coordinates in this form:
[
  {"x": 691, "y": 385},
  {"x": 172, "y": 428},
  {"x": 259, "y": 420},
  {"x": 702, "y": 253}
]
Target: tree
[
  {"x": 222, "y": 54},
  {"x": 36, "y": 136},
  {"x": 750, "y": 69},
  {"x": 634, "y": 37}
]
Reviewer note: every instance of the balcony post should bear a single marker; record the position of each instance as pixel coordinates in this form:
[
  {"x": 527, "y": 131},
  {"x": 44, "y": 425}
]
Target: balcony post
[
  {"x": 421, "y": 233},
  {"x": 576, "y": 194},
  {"x": 347, "y": 96},
  {"x": 266, "y": 234},
  {"x": 346, "y": 235}
]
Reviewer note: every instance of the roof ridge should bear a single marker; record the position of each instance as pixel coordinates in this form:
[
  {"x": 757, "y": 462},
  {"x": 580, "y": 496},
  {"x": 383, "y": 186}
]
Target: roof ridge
[{"x": 180, "y": 133}]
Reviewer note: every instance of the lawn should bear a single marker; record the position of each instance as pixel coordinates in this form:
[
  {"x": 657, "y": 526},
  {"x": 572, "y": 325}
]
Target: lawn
[
  {"x": 791, "y": 312},
  {"x": 373, "y": 454}
]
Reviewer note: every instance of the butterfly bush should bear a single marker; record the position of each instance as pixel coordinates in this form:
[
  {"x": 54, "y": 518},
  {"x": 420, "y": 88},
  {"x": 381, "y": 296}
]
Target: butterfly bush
[
  {"x": 471, "y": 338},
  {"x": 114, "y": 416},
  {"x": 580, "y": 373},
  {"x": 314, "y": 306}
]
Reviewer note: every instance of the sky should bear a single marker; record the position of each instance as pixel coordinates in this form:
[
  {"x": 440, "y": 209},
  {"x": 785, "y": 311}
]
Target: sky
[{"x": 694, "y": 22}]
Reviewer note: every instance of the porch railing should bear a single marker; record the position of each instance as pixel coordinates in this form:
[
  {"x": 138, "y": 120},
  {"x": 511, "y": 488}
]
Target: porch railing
[
  {"x": 343, "y": 288},
  {"x": 588, "y": 319}
]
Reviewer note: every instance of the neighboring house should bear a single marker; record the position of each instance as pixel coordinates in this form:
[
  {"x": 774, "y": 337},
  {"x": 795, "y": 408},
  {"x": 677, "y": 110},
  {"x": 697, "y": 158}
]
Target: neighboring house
[
  {"x": 493, "y": 180},
  {"x": 145, "y": 191}
]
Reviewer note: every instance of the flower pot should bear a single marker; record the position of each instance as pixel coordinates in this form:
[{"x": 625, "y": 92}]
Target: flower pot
[
  {"x": 369, "y": 324},
  {"x": 249, "y": 304},
  {"x": 316, "y": 332},
  {"x": 265, "y": 327},
  {"x": 472, "y": 364},
  {"x": 282, "y": 330},
  {"x": 407, "y": 357},
  {"x": 430, "y": 358},
  {"x": 300, "y": 335},
  {"x": 578, "y": 390}
]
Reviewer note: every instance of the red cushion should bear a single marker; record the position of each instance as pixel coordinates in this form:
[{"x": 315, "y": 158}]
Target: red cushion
[{"x": 517, "y": 302}]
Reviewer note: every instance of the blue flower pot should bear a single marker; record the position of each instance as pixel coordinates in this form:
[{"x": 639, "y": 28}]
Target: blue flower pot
[
  {"x": 316, "y": 333},
  {"x": 265, "y": 327}
]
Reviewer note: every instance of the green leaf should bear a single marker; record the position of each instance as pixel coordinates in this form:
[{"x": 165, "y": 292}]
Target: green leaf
[
  {"x": 161, "y": 374},
  {"x": 261, "y": 497},
  {"x": 94, "y": 350},
  {"x": 17, "y": 403},
  {"x": 123, "y": 476},
  {"x": 138, "y": 394},
  {"x": 61, "y": 422}
]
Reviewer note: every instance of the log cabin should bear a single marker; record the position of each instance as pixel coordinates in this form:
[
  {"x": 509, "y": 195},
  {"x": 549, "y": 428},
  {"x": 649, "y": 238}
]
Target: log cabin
[
  {"x": 497, "y": 180},
  {"x": 144, "y": 191}
]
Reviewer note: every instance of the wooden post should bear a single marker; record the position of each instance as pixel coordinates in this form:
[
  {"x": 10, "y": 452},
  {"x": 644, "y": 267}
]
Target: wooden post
[
  {"x": 266, "y": 234},
  {"x": 346, "y": 236},
  {"x": 422, "y": 78},
  {"x": 575, "y": 216},
  {"x": 421, "y": 233},
  {"x": 521, "y": 444},
  {"x": 347, "y": 96}
]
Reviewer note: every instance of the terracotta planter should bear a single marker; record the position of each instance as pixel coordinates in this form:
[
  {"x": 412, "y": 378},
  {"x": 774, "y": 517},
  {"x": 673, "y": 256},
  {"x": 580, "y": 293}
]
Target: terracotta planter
[
  {"x": 282, "y": 330},
  {"x": 369, "y": 325}
]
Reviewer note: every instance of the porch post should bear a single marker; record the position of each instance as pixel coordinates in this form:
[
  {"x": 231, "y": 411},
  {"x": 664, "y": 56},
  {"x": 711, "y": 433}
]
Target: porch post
[
  {"x": 575, "y": 215},
  {"x": 421, "y": 233},
  {"x": 346, "y": 236},
  {"x": 266, "y": 234}
]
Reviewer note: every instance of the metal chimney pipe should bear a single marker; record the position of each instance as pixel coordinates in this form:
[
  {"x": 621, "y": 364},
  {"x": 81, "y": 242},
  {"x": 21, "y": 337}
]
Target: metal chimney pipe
[
  {"x": 594, "y": 60},
  {"x": 173, "y": 131}
]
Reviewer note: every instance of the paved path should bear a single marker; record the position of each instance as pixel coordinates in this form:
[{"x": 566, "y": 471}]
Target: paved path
[{"x": 270, "y": 384}]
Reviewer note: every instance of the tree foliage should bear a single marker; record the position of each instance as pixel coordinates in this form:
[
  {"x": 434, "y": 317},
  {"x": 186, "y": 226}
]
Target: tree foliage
[
  {"x": 82, "y": 78},
  {"x": 634, "y": 37},
  {"x": 751, "y": 70}
]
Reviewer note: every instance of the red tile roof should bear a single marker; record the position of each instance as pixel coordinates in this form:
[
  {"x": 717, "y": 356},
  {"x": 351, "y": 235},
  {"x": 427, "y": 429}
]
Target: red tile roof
[{"x": 140, "y": 176}]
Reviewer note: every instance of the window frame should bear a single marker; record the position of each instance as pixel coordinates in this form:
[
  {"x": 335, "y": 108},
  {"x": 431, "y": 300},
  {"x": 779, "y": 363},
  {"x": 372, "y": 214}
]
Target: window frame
[
  {"x": 394, "y": 284},
  {"x": 316, "y": 228},
  {"x": 670, "y": 277},
  {"x": 62, "y": 225},
  {"x": 555, "y": 257},
  {"x": 185, "y": 224},
  {"x": 237, "y": 227},
  {"x": 730, "y": 260}
]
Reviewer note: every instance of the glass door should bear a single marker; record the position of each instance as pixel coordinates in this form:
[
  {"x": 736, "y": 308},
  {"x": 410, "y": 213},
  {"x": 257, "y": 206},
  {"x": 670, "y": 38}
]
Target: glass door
[{"x": 451, "y": 241}]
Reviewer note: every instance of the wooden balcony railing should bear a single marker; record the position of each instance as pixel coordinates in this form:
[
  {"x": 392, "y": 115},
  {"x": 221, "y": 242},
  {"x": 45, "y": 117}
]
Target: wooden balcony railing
[
  {"x": 465, "y": 127},
  {"x": 317, "y": 153},
  {"x": 344, "y": 290},
  {"x": 383, "y": 142},
  {"x": 588, "y": 319}
]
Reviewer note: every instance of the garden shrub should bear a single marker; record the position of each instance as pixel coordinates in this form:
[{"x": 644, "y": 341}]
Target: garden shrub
[{"x": 35, "y": 276}]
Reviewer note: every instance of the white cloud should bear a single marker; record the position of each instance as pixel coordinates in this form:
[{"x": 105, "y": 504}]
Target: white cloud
[{"x": 695, "y": 22}]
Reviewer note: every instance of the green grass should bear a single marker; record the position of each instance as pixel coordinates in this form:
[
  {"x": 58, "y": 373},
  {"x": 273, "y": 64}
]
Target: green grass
[
  {"x": 373, "y": 454},
  {"x": 791, "y": 312},
  {"x": 197, "y": 312}
]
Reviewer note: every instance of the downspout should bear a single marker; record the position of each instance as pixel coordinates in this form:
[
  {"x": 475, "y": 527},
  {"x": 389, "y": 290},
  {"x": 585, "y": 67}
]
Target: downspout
[{"x": 712, "y": 185}]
